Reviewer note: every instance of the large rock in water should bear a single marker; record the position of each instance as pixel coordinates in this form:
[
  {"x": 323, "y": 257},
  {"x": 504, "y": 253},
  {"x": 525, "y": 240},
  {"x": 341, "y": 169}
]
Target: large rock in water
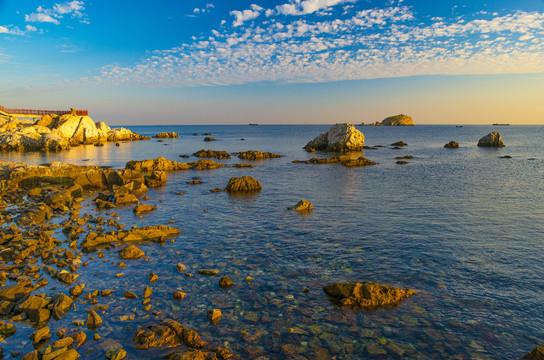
[
  {"x": 536, "y": 354},
  {"x": 366, "y": 295},
  {"x": 396, "y": 120},
  {"x": 491, "y": 140},
  {"x": 339, "y": 138},
  {"x": 243, "y": 184}
]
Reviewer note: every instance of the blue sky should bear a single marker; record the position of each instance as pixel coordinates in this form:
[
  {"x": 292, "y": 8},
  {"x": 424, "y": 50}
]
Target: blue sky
[{"x": 284, "y": 61}]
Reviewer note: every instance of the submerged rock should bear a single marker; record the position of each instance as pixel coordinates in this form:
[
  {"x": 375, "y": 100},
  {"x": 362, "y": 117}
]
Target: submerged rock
[
  {"x": 493, "y": 139},
  {"x": 303, "y": 206},
  {"x": 212, "y": 154},
  {"x": 257, "y": 155},
  {"x": 366, "y": 295},
  {"x": 452, "y": 145},
  {"x": 166, "y": 135},
  {"x": 243, "y": 184},
  {"x": 339, "y": 138}
]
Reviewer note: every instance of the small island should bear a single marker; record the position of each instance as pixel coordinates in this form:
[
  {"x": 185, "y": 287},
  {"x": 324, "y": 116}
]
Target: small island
[{"x": 396, "y": 120}]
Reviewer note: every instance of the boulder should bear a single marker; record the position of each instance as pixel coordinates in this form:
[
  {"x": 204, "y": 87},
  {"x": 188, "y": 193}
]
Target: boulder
[
  {"x": 143, "y": 208},
  {"x": 339, "y": 138},
  {"x": 168, "y": 333},
  {"x": 342, "y": 159},
  {"x": 225, "y": 282},
  {"x": 366, "y": 295},
  {"x": 243, "y": 184},
  {"x": 131, "y": 252},
  {"x": 452, "y": 145},
  {"x": 303, "y": 206},
  {"x": 156, "y": 179},
  {"x": 93, "y": 320},
  {"x": 214, "y": 315},
  {"x": 396, "y": 120},
  {"x": 493, "y": 139}
]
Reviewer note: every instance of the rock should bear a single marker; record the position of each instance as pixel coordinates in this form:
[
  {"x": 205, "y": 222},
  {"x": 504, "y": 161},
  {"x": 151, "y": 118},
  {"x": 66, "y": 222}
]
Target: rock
[
  {"x": 31, "y": 356},
  {"x": 162, "y": 164},
  {"x": 166, "y": 135},
  {"x": 116, "y": 354},
  {"x": 207, "y": 138},
  {"x": 257, "y": 155},
  {"x": 79, "y": 338},
  {"x": 93, "y": 320},
  {"x": 225, "y": 282},
  {"x": 77, "y": 290},
  {"x": 536, "y": 354},
  {"x": 303, "y": 206},
  {"x": 156, "y": 179},
  {"x": 131, "y": 252},
  {"x": 65, "y": 277},
  {"x": 212, "y": 154},
  {"x": 214, "y": 315},
  {"x": 493, "y": 139},
  {"x": 243, "y": 184},
  {"x": 180, "y": 267},
  {"x": 452, "y": 145},
  {"x": 339, "y": 138},
  {"x": 142, "y": 208},
  {"x": 342, "y": 159},
  {"x": 208, "y": 272},
  {"x": 402, "y": 162},
  {"x": 61, "y": 305},
  {"x": 13, "y": 292},
  {"x": 179, "y": 295},
  {"x": 7, "y": 329},
  {"x": 147, "y": 292},
  {"x": 168, "y": 333},
  {"x": 399, "y": 143},
  {"x": 41, "y": 334},
  {"x": 366, "y": 295},
  {"x": 130, "y": 295},
  {"x": 157, "y": 233},
  {"x": 153, "y": 277},
  {"x": 396, "y": 120}
]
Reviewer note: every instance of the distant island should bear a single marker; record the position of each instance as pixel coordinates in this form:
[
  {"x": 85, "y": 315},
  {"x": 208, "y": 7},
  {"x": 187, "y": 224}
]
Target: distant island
[
  {"x": 500, "y": 124},
  {"x": 396, "y": 120}
]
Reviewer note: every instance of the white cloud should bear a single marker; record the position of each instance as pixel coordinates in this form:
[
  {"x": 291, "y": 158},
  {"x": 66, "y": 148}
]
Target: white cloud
[
  {"x": 58, "y": 11},
  {"x": 11, "y": 30},
  {"x": 242, "y": 16},
  {"x": 372, "y": 43},
  {"x": 303, "y": 7}
]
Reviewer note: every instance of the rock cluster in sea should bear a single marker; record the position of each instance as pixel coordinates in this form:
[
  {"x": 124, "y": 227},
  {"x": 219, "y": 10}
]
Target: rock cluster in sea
[
  {"x": 56, "y": 133},
  {"x": 340, "y": 138}
]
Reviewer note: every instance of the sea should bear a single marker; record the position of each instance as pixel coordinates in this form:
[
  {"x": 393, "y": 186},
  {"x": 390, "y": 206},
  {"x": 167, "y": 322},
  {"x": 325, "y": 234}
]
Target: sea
[{"x": 462, "y": 227}]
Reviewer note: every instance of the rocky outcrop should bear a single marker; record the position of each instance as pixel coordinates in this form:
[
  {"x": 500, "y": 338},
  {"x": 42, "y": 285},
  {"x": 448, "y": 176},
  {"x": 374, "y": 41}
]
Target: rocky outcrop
[
  {"x": 166, "y": 135},
  {"x": 303, "y": 206},
  {"x": 55, "y": 133},
  {"x": 150, "y": 233},
  {"x": 452, "y": 145},
  {"x": 396, "y": 120},
  {"x": 493, "y": 139},
  {"x": 342, "y": 159},
  {"x": 243, "y": 184},
  {"x": 257, "y": 155},
  {"x": 339, "y": 138},
  {"x": 366, "y": 295},
  {"x": 162, "y": 164},
  {"x": 212, "y": 154}
]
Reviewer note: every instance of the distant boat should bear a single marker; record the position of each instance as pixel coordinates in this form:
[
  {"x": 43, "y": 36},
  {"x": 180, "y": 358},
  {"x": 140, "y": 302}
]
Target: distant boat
[
  {"x": 253, "y": 124},
  {"x": 501, "y": 124},
  {"x": 458, "y": 125}
]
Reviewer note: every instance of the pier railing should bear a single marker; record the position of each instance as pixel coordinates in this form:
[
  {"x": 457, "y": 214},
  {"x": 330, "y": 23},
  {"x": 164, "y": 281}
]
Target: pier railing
[{"x": 42, "y": 112}]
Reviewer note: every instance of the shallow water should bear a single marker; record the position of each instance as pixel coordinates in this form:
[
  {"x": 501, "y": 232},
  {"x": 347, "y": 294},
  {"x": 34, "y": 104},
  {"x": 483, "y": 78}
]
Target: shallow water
[{"x": 463, "y": 227}]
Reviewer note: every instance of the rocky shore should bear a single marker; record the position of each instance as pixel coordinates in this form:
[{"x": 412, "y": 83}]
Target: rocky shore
[{"x": 55, "y": 133}]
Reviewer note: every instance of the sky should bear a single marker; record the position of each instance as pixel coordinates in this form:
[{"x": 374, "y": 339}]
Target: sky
[{"x": 276, "y": 61}]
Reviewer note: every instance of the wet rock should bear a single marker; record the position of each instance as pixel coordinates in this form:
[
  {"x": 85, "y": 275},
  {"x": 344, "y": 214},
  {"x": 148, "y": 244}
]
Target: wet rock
[
  {"x": 41, "y": 334},
  {"x": 116, "y": 354},
  {"x": 162, "y": 164},
  {"x": 401, "y": 162},
  {"x": 374, "y": 349},
  {"x": 143, "y": 208},
  {"x": 343, "y": 159},
  {"x": 13, "y": 292},
  {"x": 493, "y": 139},
  {"x": 77, "y": 290},
  {"x": 366, "y": 295},
  {"x": 208, "y": 272},
  {"x": 153, "y": 277},
  {"x": 214, "y": 315},
  {"x": 303, "y": 206},
  {"x": 61, "y": 305},
  {"x": 452, "y": 145},
  {"x": 7, "y": 329},
  {"x": 212, "y": 154},
  {"x": 180, "y": 267},
  {"x": 168, "y": 333},
  {"x": 147, "y": 292},
  {"x": 65, "y": 277},
  {"x": 207, "y": 138},
  {"x": 103, "y": 204},
  {"x": 31, "y": 356},
  {"x": 130, "y": 295},
  {"x": 93, "y": 320},
  {"x": 257, "y": 155},
  {"x": 179, "y": 295},
  {"x": 399, "y": 143},
  {"x": 157, "y": 233},
  {"x": 535, "y": 354},
  {"x": 131, "y": 252},
  {"x": 79, "y": 338},
  {"x": 225, "y": 282},
  {"x": 243, "y": 184},
  {"x": 166, "y": 135},
  {"x": 339, "y": 138},
  {"x": 156, "y": 179}
]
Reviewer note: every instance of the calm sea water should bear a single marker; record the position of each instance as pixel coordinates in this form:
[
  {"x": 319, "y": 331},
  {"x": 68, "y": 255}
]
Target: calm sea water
[{"x": 463, "y": 227}]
